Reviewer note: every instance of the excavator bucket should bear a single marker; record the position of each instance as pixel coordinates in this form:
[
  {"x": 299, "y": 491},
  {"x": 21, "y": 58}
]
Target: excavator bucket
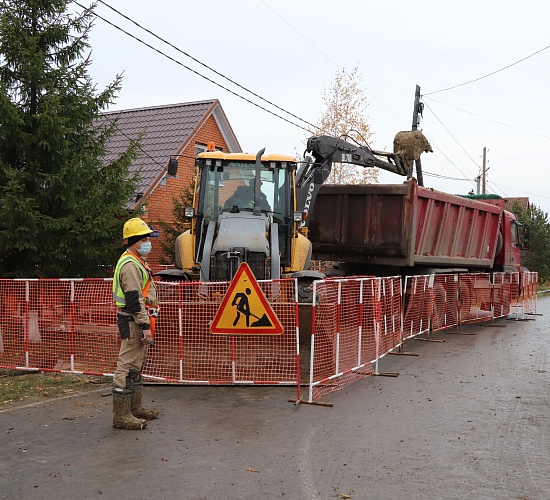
[{"x": 410, "y": 144}]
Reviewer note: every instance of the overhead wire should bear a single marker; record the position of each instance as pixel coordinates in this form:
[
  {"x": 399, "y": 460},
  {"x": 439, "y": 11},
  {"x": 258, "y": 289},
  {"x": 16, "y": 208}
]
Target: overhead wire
[
  {"x": 298, "y": 33},
  {"x": 524, "y": 192},
  {"x": 424, "y": 96},
  {"x": 494, "y": 183},
  {"x": 454, "y": 138},
  {"x": 196, "y": 72},
  {"x": 439, "y": 176},
  {"x": 489, "y": 119},
  {"x": 202, "y": 64},
  {"x": 488, "y": 74},
  {"x": 327, "y": 57}
]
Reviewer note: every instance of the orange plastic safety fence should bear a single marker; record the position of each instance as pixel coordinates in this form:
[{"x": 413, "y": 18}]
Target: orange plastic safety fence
[
  {"x": 391, "y": 314},
  {"x": 70, "y": 325},
  {"x": 524, "y": 300},
  {"x": 502, "y": 294},
  {"x": 530, "y": 288},
  {"x": 419, "y": 301},
  {"x": 475, "y": 298},
  {"x": 58, "y": 325},
  {"x": 355, "y": 322},
  {"x": 445, "y": 310},
  {"x": 187, "y": 352}
]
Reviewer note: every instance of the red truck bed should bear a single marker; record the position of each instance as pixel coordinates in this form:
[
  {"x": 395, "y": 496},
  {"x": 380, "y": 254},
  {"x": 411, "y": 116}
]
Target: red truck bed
[{"x": 403, "y": 225}]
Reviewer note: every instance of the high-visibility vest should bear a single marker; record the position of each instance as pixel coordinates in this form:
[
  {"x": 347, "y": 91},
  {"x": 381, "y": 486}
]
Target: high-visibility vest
[{"x": 118, "y": 294}]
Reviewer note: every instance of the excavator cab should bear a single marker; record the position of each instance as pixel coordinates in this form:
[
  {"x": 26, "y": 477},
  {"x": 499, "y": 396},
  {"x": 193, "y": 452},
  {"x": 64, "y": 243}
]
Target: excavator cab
[{"x": 244, "y": 211}]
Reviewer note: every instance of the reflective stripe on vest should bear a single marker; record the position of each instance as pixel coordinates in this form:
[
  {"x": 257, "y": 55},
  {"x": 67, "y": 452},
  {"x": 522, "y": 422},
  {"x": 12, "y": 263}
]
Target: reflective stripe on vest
[{"x": 118, "y": 294}]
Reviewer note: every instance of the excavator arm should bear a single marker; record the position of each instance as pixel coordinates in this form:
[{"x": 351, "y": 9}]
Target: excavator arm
[
  {"x": 324, "y": 150},
  {"x": 327, "y": 150}
]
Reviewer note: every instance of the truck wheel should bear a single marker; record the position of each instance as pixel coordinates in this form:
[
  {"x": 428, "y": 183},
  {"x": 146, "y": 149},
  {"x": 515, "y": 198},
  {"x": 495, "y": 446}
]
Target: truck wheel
[
  {"x": 305, "y": 282},
  {"x": 305, "y": 291},
  {"x": 465, "y": 298},
  {"x": 438, "y": 308},
  {"x": 500, "y": 242}
]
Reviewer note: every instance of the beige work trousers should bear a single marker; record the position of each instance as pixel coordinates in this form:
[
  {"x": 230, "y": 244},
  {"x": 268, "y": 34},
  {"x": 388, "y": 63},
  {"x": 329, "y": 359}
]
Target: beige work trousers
[{"x": 132, "y": 355}]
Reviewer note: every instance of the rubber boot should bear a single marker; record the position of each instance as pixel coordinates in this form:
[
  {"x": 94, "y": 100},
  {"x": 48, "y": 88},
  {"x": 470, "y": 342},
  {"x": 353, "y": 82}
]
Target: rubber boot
[
  {"x": 122, "y": 417},
  {"x": 136, "y": 406}
]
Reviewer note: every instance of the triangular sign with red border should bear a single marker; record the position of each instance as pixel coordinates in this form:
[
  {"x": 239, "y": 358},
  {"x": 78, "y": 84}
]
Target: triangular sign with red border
[{"x": 245, "y": 309}]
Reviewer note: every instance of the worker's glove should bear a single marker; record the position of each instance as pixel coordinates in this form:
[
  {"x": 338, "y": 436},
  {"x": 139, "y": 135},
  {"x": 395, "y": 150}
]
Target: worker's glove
[{"x": 147, "y": 337}]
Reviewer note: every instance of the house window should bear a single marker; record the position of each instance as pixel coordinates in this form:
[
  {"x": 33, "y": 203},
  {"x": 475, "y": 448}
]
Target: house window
[{"x": 199, "y": 148}]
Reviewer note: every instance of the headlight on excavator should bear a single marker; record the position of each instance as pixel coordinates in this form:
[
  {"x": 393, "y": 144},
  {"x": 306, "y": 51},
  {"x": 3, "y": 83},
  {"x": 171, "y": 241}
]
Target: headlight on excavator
[{"x": 189, "y": 212}]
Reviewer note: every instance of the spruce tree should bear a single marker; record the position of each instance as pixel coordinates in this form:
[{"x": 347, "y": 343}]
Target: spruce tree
[{"x": 62, "y": 205}]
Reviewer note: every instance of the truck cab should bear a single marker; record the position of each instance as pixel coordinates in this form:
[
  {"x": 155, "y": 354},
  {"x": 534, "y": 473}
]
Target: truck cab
[{"x": 515, "y": 238}]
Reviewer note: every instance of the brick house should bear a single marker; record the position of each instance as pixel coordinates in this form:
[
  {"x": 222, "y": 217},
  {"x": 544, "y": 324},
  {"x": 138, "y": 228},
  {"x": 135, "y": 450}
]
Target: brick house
[
  {"x": 176, "y": 129},
  {"x": 523, "y": 203}
]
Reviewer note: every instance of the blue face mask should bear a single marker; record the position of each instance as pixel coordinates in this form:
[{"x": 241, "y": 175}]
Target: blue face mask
[{"x": 145, "y": 248}]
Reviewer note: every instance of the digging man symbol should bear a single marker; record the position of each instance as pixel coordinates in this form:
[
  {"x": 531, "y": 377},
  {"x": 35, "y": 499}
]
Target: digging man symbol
[{"x": 240, "y": 302}]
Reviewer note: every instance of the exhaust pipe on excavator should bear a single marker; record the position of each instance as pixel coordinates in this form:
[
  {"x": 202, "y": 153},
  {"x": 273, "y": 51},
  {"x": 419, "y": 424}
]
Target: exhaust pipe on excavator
[{"x": 257, "y": 210}]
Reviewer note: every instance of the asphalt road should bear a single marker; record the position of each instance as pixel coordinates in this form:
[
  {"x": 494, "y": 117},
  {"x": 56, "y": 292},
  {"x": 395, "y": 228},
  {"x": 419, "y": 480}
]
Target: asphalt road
[{"x": 467, "y": 418}]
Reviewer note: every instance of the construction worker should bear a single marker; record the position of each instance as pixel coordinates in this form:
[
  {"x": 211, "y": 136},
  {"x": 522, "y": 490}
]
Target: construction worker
[{"x": 135, "y": 295}]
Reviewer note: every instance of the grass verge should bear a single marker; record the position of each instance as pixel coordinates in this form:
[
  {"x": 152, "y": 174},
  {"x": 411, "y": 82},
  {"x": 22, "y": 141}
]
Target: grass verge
[{"x": 33, "y": 386}]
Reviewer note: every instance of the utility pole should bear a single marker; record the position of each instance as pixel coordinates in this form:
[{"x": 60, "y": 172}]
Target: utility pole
[
  {"x": 484, "y": 172},
  {"x": 417, "y": 114},
  {"x": 417, "y": 109}
]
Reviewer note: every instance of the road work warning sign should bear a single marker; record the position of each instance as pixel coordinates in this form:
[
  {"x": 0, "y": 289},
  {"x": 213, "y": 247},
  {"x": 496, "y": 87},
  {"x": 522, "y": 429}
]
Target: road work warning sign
[{"x": 245, "y": 309}]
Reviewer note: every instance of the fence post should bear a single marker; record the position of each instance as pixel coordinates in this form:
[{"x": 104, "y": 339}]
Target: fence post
[
  {"x": 27, "y": 326},
  {"x": 73, "y": 339},
  {"x": 360, "y": 339},
  {"x": 298, "y": 361},
  {"x": 313, "y": 319}
]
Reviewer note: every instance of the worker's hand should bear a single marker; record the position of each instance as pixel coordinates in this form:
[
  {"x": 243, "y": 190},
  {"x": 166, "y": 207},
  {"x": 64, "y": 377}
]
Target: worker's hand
[{"x": 147, "y": 337}]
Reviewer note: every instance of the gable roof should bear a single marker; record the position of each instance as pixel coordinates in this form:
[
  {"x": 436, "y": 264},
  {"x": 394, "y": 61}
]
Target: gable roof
[
  {"x": 167, "y": 130},
  {"x": 522, "y": 201}
]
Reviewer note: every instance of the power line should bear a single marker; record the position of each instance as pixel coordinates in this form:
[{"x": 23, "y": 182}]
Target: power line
[
  {"x": 489, "y": 74},
  {"x": 439, "y": 176},
  {"x": 273, "y": 104},
  {"x": 201, "y": 63},
  {"x": 492, "y": 182},
  {"x": 298, "y": 32},
  {"x": 196, "y": 72},
  {"x": 524, "y": 192},
  {"x": 489, "y": 119},
  {"x": 496, "y": 185},
  {"x": 460, "y": 145},
  {"x": 327, "y": 57}
]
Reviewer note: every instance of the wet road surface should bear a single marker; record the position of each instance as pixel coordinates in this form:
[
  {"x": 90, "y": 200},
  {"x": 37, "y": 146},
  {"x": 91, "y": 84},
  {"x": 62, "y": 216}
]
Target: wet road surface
[{"x": 467, "y": 418}]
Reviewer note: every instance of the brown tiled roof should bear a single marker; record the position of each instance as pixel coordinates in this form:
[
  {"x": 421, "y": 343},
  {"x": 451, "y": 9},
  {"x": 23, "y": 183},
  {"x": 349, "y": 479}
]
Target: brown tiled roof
[
  {"x": 523, "y": 203},
  {"x": 166, "y": 130}
]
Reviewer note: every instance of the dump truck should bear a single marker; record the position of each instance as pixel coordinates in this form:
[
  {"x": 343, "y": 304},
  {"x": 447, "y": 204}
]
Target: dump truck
[{"x": 387, "y": 229}]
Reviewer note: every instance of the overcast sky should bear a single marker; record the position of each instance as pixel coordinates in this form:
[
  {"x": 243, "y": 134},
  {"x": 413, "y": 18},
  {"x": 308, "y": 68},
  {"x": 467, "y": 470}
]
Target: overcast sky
[{"x": 288, "y": 52}]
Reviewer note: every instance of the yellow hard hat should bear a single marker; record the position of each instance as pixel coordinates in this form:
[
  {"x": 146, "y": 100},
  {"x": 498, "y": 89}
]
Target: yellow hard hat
[{"x": 135, "y": 227}]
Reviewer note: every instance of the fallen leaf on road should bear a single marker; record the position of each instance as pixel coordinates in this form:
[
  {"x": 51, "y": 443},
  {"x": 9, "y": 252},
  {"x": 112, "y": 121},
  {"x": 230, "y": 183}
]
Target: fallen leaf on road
[{"x": 250, "y": 469}]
